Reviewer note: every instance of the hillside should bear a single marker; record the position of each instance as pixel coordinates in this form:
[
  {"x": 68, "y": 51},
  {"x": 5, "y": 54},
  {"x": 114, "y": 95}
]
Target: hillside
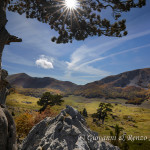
[
  {"x": 131, "y": 85},
  {"x": 137, "y": 78},
  {"x": 23, "y": 80}
]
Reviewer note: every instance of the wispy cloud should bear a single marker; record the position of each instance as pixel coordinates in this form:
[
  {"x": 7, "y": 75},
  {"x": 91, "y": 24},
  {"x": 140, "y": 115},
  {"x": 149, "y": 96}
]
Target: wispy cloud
[
  {"x": 115, "y": 54},
  {"x": 34, "y": 34},
  {"x": 79, "y": 62},
  {"x": 44, "y": 62},
  {"x": 84, "y": 55}
]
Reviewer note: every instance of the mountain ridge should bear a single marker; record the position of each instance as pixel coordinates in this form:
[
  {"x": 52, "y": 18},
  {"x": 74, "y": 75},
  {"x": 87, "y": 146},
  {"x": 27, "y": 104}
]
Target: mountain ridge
[
  {"x": 25, "y": 81},
  {"x": 127, "y": 79},
  {"x": 138, "y": 78},
  {"x": 131, "y": 85}
]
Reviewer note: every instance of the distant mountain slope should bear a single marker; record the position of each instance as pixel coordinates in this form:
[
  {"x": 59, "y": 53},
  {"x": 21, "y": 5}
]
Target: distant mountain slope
[
  {"x": 129, "y": 85},
  {"x": 25, "y": 81},
  {"x": 138, "y": 78}
]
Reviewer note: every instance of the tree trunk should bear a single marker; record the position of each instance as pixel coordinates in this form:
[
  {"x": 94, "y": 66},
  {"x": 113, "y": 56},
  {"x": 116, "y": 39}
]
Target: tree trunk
[
  {"x": 7, "y": 125},
  {"x": 4, "y": 35}
]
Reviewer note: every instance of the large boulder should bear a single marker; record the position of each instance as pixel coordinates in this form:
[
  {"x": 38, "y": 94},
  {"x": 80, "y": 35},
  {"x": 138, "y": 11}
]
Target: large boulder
[
  {"x": 64, "y": 133},
  {"x": 7, "y": 130}
]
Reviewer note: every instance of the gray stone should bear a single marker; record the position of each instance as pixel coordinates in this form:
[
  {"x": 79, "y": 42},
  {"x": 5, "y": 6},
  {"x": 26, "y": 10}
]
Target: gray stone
[
  {"x": 62, "y": 133},
  {"x": 4, "y": 85},
  {"x": 7, "y": 130}
]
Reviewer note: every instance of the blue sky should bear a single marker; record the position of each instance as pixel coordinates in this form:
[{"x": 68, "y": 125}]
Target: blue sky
[{"x": 82, "y": 61}]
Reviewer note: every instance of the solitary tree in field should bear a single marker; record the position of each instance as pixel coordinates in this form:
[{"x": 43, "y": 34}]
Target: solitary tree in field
[
  {"x": 47, "y": 99},
  {"x": 102, "y": 111},
  {"x": 84, "y": 113},
  {"x": 72, "y": 19}
]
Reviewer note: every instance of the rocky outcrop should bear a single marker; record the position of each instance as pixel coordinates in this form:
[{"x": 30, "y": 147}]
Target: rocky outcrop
[
  {"x": 4, "y": 85},
  {"x": 67, "y": 131},
  {"x": 7, "y": 130},
  {"x": 7, "y": 125}
]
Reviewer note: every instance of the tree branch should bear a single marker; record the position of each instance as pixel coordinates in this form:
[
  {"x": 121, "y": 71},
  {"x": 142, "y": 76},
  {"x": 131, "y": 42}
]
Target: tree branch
[{"x": 13, "y": 38}]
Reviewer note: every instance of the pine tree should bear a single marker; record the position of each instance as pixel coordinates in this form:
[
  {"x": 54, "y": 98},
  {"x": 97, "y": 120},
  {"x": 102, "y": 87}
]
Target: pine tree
[
  {"x": 47, "y": 99},
  {"x": 84, "y": 113}
]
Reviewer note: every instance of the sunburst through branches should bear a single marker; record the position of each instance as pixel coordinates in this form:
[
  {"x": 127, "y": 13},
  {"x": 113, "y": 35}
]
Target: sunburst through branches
[
  {"x": 78, "y": 19},
  {"x": 71, "y": 4}
]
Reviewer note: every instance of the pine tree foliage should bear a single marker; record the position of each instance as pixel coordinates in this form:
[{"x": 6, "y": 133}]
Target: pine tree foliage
[
  {"x": 47, "y": 99},
  {"x": 102, "y": 111},
  {"x": 84, "y": 113},
  {"x": 84, "y": 21}
]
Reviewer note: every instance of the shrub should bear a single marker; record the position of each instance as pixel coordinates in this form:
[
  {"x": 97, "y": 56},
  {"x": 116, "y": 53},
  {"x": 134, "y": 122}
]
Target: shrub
[{"x": 24, "y": 123}]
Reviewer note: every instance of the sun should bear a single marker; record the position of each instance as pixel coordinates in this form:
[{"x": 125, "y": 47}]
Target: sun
[{"x": 71, "y": 4}]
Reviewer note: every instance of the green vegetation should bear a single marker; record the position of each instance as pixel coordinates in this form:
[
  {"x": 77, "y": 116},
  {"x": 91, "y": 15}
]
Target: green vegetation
[
  {"x": 120, "y": 140},
  {"x": 47, "y": 99},
  {"x": 139, "y": 145},
  {"x": 134, "y": 120},
  {"x": 102, "y": 111},
  {"x": 36, "y": 92},
  {"x": 84, "y": 113},
  {"x": 91, "y": 24},
  {"x": 134, "y": 95},
  {"x": 20, "y": 101}
]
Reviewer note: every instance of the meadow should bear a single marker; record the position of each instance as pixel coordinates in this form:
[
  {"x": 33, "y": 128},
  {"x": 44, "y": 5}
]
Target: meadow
[{"x": 134, "y": 120}]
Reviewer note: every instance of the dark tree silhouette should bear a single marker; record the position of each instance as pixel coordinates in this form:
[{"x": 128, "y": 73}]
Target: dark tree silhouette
[
  {"x": 47, "y": 99},
  {"x": 102, "y": 111},
  {"x": 84, "y": 113}
]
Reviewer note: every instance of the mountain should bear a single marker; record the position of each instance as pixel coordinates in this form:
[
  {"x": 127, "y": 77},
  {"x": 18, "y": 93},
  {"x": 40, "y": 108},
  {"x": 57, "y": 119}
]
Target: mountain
[
  {"x": 137, "y": 78},
  {"x": 23, "y": 80},
  {"x": 129, "y": 85}
]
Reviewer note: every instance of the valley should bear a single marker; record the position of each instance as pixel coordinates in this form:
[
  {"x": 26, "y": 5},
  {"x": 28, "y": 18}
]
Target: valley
[
  {"x": 128, "y": 93},
  {"x": 138, "y": 125}
]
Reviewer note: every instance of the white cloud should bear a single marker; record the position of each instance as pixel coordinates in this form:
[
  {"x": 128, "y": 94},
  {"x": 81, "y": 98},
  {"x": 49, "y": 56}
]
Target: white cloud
[{"x": 44, "y": 62}]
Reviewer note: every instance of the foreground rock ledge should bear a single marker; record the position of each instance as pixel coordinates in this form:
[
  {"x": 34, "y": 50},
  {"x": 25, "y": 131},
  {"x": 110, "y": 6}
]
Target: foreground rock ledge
[
  {"x": 7, "y": 130},
  {"x": 63, "y": 133}
]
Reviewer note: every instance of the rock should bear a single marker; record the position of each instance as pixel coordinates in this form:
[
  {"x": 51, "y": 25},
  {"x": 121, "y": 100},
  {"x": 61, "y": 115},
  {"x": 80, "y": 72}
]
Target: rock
[
  {"x": 7, "y": 125},
  {"x": 4, "y": 74},
  {"x": 63, "y": 133},
  {"x": 7, "y": 130},
  {"x": 4, "y": 85}
]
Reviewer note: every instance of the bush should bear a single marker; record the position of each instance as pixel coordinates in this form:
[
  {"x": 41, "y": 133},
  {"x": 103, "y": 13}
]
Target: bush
[
  {"x": 46, "y": 113},
  {"x": 24, "y": 123}
]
